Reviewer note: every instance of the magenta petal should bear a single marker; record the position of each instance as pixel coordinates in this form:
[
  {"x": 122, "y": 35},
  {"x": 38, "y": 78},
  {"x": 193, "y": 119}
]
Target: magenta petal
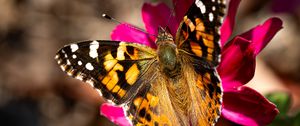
[
  {"x": 126, "y": 32},
  {"x": 229, "y": 21},
  {"x": 155, "y": 16},
  {"x": 114, "y": 114},
  {"x": 229, "y": 85},
  {"x": 237, "y": 62},
  {"x": 262, "y": 34},
  {"x": 247, "y": 107}
]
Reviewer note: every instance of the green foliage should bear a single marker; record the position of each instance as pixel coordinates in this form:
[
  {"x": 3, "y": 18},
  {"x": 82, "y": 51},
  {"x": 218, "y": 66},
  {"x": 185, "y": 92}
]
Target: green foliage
[
  {"x": 154, "y": 1},
  {"x": 283, "y": 102}
]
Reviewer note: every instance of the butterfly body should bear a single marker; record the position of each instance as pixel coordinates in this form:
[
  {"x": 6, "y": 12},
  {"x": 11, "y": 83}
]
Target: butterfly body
[
  {"x": 171, "y": 80},
  {"x": 175, "y": 84},
  {"x": 167, "y": 53}
]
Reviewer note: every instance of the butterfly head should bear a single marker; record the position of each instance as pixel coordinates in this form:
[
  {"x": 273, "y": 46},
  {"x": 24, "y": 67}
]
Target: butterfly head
[{"x": 164, "y": 36}]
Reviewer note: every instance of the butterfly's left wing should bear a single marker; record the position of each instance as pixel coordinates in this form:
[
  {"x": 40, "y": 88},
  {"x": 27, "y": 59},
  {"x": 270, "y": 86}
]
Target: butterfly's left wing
[
  {"x": 115, "y": 68},
  {"x": 125, "y": 73}
]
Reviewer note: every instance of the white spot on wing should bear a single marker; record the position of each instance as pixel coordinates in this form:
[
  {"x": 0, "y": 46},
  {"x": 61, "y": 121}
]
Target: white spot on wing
[
  {"x": 79, "y": 77},
  {"x": 59, "y": 61},
  {"x": 74, "y": 56},
  {"x": 63, "y": 67},
  {"x": 200, "y": 5},
  {"x": 211, "y": 16},
  {"x": 99, "y": 92},
  {"x": 111, "y": 102},
  {"x": 74, "y": 47},
  {"x": 68, "y": 62},
  {"x": 69, "y": 73},
  {"x": 213, "y": 8},
  {"x": 89, "y": 66},
  {"x": 90, "y": 82},
  {"x": 93, "y": 49},
  {"x": 120, "y": 52},
  {"x": 79, "y": 63},
  {"x": 56, "y": 56}
]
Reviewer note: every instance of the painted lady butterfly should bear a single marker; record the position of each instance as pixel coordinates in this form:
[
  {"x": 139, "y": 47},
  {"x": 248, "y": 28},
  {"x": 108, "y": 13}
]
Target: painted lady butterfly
[{"x": 175, "y": 84}]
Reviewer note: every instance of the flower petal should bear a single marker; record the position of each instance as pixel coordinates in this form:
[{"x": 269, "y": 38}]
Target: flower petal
[
  {"x": 247, "y": 107},
  {"x": 237, "y": 62},
  {"x": 262, "y": 34},
  {"x": 155, "y": 16},
  {"x": 238, "y": 56},
  {"x": 181, "y": 7},
  {"x": 114, "y": 114},
  {"x": 127, "y": 33},
  {"x": 229, "y": 85},
  {"x": 229, "y": 21}
]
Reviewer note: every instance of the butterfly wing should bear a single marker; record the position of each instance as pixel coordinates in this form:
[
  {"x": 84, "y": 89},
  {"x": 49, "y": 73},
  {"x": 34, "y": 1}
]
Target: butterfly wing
[
  {"x": 198, "y": 44},
  {"x": 198, "y": 34},
  {"x": 146, "y": 107},
  {"x": 210, "y": 101},
  {"x": 155, "y": 105},
  {"x": 115, "y": 68},
  {"x": 198, "y": 39},
  {"x": 152, "y": 105},
  {"x": 125, "y": 73}
]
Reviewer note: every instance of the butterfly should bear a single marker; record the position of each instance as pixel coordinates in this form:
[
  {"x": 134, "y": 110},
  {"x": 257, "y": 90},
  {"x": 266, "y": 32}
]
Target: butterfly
[{"x": 173, "y": 84}]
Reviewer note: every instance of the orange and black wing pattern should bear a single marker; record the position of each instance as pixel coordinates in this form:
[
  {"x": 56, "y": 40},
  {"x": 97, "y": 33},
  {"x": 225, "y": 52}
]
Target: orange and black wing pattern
[
  {"x": 210, "y": 90},
  {"x": 146, "y": 108},
  {"x": 198, "y": 34},
  {"x": 129, "y": 74},
  {"x": 198, "y": 37},
  {"x": 114, "y": 68}
]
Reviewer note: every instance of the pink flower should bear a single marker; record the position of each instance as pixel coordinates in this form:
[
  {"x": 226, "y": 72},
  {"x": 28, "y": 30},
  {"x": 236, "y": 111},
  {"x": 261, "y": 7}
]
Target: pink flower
[
  {"x": 241, "y": 104},
  {"x": 115, "y": 114}
]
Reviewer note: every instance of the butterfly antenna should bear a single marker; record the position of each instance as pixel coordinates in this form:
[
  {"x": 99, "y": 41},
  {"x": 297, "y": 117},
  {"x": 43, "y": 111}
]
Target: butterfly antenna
[
  {"x": 111, "y": 18},
  {"x": 172, "y": 14},
  {"x": 129, "y": 26}
]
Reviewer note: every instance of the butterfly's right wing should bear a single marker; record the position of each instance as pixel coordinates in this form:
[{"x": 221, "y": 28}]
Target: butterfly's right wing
[
  {"x": 115, "y": 68},
  {"x": 198, "y": 34},
  {"x": 198, "y": 39}
]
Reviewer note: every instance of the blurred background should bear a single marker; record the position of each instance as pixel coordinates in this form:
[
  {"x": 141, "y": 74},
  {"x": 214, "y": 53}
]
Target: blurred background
[{"x": 34, "y": 91}]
